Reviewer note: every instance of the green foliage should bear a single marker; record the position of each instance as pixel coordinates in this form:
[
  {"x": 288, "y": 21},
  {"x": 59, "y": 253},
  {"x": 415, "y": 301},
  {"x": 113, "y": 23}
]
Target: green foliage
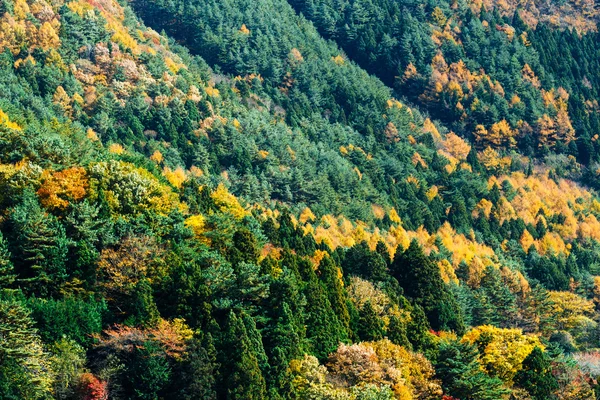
[
  {"x": 75, "y": 319},
  {"x": 25, "y": 371},
  {"x": 536, "y": 375},
  {"x": 461, "y": 374},
  {"x": 39, "y": 243},
  {"x": 241, "y": 376},
  {"x": 421, "y": 280},
  {"x": 201, "y": 250}
]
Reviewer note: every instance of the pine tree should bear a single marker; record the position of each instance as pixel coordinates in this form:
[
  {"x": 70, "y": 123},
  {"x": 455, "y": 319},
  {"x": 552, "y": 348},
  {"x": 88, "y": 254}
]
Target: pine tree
[
  {"x": 144, "y": 308},
  {"x": 7, "y": 272},
  {"x": 24, "y": 366},
  {"x": 330, "y": 278},
  {"x": 536, "y": 375},
  {"x": 397, "y": 332},
  {"x": 241, "y": 378},
  {"x": 40, "y": 243},
  {"x": 461, "y": 374},
  {"x": 324, "y": 331},
  {"x": 422, "y": 281},
  {"x": 197, "y": 377},
  {"x": 370, "y": 327}
]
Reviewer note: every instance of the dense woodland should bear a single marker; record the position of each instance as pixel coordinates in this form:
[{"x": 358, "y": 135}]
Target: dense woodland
[{"x": 301, "y": 199}]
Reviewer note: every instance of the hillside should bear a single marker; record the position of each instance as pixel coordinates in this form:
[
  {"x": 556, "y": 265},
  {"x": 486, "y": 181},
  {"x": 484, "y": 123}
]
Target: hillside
[{"x": 270, "y": 199}]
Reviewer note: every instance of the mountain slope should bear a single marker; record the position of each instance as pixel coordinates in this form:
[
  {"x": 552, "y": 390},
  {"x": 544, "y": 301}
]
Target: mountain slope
[{"x": 270, "y": 221}]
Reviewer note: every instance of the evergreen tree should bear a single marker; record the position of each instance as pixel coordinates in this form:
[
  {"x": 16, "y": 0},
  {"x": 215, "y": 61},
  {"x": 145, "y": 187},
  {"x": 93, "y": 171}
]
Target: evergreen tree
[
  {"x": 7, "y": 272},
  {"x": 324, "y": 331},
  {"x": 333, "y": 285},
  {"x": 458, "y": 368},
  {"x": 536, "y": 375},
  {"x": 370, "y": 326},
  {"x": 241, "y": 377},
  {"x": 199, "y": 370},
  {"x": 144, "y": 310},
  {"x": 40, "y": 245},
  {"x": 422, "y": 281},
  {"x": 24, "y": 366}
]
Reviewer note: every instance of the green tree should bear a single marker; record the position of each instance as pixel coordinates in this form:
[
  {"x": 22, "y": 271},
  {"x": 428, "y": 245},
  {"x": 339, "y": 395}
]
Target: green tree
[
  {"x": 329, "y": 275},
  {"x": 370, "y": 326},
  {"x": 7, "y": 271},
  {"x": 40, "y": 245},
  {"x": 536, "y": 375},
  {"x": 422, "y": 281},
  {"x": 459, "y": 370},
  {"x": 144, "y": 310},
  {"x": 25, "y": 370},
  {"x": 241, "y": 374}
]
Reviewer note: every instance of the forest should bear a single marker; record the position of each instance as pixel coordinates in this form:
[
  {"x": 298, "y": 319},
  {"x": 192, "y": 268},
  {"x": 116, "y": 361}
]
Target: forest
[{"x": 299, "y": 199}]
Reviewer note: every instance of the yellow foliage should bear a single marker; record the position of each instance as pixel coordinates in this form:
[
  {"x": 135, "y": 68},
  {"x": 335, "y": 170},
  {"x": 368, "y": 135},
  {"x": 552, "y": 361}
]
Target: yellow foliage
[
  {"x": 227, "y": 202},
  {"x": 503, "y": 350},
  {"x": 378, "y": 211},
  {"x": 492, "y": 160},
  {"x": 212, "y": 91},
  {"x": 47, "y": 38},
  {"x": 244, "y": 30},
  {"x": 456, "y": 146},
  {"x": 61, "y": 98},
  {"x": 339, "y": 60},
  {"x": 429, "y": 127},
  {"x": 157, "y": 157},
  {"x": 196, "y": 223},
  {"x": 484, "y": 206},
  {"x": 432, "y": 193},
  {"x": 80, "y": 7},
  {"x": 526, "y": 240},
  {"x": 571, "y": 311},
  {"x": 418, "y": 160},
  {"x": 91, "y": 134},
  {"x": 306, "y": 215},
  {"x": 59, "y": 188},
  {"x": 116, "y": 148},
  {"x": 5, "y": 121},
  {"x": 175, "y": 178},
  {"x": 263, "y": 154},
  {"x": 172, "y": 65},
  {"x": 447, "y": 272}
]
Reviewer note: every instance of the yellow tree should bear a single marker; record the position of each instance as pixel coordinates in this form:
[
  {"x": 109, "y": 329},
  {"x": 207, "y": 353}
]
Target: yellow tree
[
  {"x": 570, "y": 311},
  {"x": 502, "y": 351}
]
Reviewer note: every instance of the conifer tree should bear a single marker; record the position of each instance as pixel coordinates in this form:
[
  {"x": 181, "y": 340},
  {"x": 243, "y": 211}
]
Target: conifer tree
[
  {"x": 461, "y": 374},
  {"x": 370, "y": 326},
  {"x": 422, "y": 281},
  {"x": 7, "y": 272},
  {"x": 241, "y": 377},
  {"x": 332, "y": 283},
  {"x": 536, "y": 375},
  {"x": 40, "y": 243}
]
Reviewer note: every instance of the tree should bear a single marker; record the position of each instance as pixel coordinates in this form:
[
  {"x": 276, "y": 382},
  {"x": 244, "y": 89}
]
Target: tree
[
  {"x": 241, "y": 374},
  {"x": 25, "y": 370},
  {"x": 422, "y": 281},
  {"x": 324, "y": 331},
  {"x": 144, "y": 310},
  {"x": 68, "y": 361},
  {"x": 40, "y": 245},
  {"x": 536, "y": 375},
  {"x": 197, "y": 377},
  {"x": 330, "y": 278},
  {"x": 501, "y": 351},
  {"x": 7, "y": 271},
  {"x": 370, "y": 326},
  {"x": 459, "y": 370}
]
